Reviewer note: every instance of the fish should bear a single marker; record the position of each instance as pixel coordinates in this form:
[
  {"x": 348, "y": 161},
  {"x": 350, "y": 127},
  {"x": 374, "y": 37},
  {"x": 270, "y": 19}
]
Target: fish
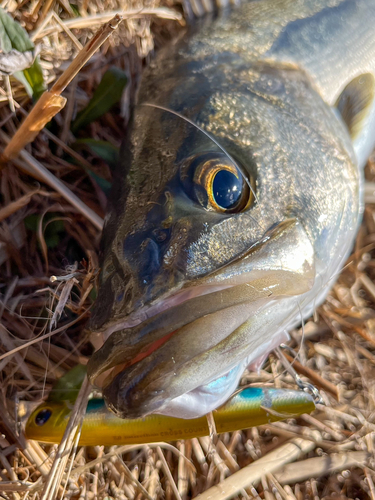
[
  {"x": 250, "y": 407},
  {"x": 236, "y": 200}
]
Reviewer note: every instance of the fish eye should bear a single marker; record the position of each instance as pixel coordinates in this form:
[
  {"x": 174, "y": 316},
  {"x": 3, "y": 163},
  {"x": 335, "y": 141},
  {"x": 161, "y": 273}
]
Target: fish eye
[
  {"x": 43, "y": 416},
  {"x": 218, "y": 183},
  {"x": 226, "y": 189}
]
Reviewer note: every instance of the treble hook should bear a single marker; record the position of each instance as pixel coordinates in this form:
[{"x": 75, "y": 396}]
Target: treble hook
[{"x": 304, "y": 386}]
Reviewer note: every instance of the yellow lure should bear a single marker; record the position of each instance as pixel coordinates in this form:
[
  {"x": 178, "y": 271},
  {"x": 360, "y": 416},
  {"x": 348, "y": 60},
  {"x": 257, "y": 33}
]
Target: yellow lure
[{"x": 248, "y": 408}]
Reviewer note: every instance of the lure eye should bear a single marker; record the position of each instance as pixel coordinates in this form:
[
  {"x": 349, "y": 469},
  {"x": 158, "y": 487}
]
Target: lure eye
[{"x": 43, "y": 416}]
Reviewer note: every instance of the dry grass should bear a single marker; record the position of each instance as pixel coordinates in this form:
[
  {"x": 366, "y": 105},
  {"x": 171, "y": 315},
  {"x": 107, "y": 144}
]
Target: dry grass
[{"x": 43, "y": 234}]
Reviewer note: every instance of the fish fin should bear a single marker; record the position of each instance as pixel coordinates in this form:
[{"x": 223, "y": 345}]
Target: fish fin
[
  {"x": 355, "y": 103},
  {"x": 200, "y": 8}
]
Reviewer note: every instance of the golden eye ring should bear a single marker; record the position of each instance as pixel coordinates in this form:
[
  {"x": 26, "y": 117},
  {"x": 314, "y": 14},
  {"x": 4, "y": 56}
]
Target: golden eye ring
[{"x": 226, "y": 187}]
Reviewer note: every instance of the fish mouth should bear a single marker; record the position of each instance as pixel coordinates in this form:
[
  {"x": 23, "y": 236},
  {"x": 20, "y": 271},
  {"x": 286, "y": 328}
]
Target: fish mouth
[{"x": 187, "y": 357}]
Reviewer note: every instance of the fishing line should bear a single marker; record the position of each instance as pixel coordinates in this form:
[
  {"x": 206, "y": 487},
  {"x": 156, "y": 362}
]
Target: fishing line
[
  {"x": 340, "y": 271},
  {"x": 46, "y": 335},
  {"x": 287, "y": 347},
  {"x": 305, "y": 386},
  {"x": 296, "y": 354},
  {"x": 325, "y": 285},
  {"x": 207, "y": 134}
]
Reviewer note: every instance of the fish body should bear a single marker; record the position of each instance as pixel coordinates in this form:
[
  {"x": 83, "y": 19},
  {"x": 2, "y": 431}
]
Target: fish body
[
  {"x": 250, "y": 407},
  {"x": 236, "y": 202}
]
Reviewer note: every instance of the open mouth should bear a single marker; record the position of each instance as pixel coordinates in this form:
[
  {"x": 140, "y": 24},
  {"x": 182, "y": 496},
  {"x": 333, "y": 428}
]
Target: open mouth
[
  {"x": 194, "y": 350},
  {"x": 105, "y": 378}
]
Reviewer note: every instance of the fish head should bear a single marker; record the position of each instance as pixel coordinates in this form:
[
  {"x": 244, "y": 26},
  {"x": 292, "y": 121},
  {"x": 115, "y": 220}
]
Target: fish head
[{"x": 227, "y": 205}]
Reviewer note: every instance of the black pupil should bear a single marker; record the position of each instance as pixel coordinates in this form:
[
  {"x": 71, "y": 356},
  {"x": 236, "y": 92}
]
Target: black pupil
[
  {"x": 227, "y": 189},
  {"x": 42, "y": 417}
]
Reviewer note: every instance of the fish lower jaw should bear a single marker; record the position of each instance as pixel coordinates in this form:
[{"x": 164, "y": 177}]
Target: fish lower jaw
[
  {"x": 191, "y": 404},
  {"x": 210, "y": 396},
  {"x": 196, "y": 367}
]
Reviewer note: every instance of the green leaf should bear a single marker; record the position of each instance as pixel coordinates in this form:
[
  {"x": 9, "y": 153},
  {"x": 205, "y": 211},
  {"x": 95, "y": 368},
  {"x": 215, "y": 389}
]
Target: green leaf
[
  {"x": 31, "y": 222},
  {"x": 75, "y": 9},
  {"x": 93, "y": 294},
  {"x": 21, "y": 77},
  {"x": 13, "y": 36},
  {"x": 103, "y": 149},
  {"x": 52, "y": 229},
  {"x": 68, "y": 386},
  {"x": 104, "y": 185},
  {"x": 107, "y": 94},
  {"x": 35, "y": 79},
  {"x": 53, "y": 232}
]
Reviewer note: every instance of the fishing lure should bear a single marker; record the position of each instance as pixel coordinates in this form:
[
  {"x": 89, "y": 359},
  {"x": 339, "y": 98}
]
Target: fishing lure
[{"x": 249, "y": 407}]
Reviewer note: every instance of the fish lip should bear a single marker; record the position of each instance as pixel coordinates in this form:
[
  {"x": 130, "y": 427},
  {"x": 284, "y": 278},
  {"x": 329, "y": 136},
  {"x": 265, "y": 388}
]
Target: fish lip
[
  {"x": 149, "y": 311},
  {"x": 114, "y": 393},
  {"x": 126, "y": 401},
  {"x": 120, "y": 349},
  {"x": 115, "y": 340},
  {"x": 184, "y": 294},
  {"x": 118, "y": 391}
]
